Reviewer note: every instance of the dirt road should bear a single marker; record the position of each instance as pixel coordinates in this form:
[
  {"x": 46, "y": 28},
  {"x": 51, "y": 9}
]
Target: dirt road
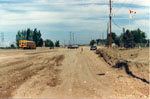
[{"x": 64, "y": 73}]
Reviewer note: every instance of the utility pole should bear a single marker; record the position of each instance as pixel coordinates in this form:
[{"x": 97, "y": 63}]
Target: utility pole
[
  {"x": 100, "y": 37},
  {"x": 110, "y": 22},
  {"x": 107, "y": 33},
  {"x": 70, "y": 39},
  {"x": 73, "y": 38},
  {"x": 103, "y": 38},
  {"x": 123, "y": 30},
  {"x": 64, "y": 43},
  {"x": 91, "y": 37},
  {"x": 76, "y": 41},
  {"x": 2, "y": 37}
]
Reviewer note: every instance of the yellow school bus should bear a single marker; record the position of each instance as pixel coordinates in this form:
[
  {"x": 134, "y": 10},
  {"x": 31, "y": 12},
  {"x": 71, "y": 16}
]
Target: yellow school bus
[{"x": 27, "y": 44}]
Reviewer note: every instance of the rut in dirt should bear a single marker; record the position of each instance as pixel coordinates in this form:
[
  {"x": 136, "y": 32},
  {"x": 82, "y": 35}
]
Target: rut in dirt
[
  {"x": 117, "y": 62},
  {"x": 128, "y": 71}
]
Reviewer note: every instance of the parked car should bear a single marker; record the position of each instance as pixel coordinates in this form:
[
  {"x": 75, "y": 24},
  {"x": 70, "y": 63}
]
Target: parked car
[
  {"x": 93, "y": 48},
  {"x": 51, "y": 47},
  {"x": 73, "y": 46}
]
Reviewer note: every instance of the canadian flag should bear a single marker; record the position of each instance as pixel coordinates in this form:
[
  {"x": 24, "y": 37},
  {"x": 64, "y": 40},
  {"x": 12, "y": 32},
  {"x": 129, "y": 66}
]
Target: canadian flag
[{"x": 132, "y": 12}]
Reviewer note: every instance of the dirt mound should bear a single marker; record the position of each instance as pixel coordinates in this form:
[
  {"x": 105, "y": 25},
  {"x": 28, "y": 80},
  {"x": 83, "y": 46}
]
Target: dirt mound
[
  {"x": 124, "y": 60},
  {"x": 23, "y": 69},
  {"x": 58, "y": 60},
  {"x": 109, "y": 56}
]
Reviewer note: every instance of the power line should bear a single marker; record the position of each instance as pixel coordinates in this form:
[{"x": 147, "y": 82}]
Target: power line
[
  {"x": 118, "y": 8},
  {"x": 72, "y": 38},
  {"x": 2, "y": 37},
  {"x": 116, "y": 24},
  {"x": 60, "y": 3},
  {"x": 120, "y": 5}
]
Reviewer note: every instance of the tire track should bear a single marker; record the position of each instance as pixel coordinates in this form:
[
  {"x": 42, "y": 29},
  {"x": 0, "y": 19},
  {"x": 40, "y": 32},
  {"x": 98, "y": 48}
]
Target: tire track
[
  {"x": 20, "y": 72},
  {"x": 16, "y": 62}
]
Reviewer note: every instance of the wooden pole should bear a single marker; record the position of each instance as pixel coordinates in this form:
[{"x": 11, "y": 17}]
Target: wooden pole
[{"x": 110, "y": 42}]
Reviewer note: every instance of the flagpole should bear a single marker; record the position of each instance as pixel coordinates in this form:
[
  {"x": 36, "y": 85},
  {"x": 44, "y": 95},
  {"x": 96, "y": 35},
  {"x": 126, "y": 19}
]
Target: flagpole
[
  {"x": 130, "y": 22},
  {"x": 129, "y": 18}
]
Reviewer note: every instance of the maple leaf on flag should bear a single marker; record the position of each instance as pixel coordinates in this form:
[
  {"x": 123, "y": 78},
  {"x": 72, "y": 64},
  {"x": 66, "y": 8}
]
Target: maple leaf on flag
[{"x": 131, "y": 11}]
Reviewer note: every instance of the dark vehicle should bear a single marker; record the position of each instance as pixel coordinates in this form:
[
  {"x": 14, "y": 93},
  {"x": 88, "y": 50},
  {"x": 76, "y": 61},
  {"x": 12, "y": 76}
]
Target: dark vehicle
[
  {"x": 51, "y": 47},
  {"x": 73, "y": 46},
  {"x": 93, "y": 48}
]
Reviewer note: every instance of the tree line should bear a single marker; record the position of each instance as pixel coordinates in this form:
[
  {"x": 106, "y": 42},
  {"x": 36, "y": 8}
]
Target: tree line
[
  {"x": 128, "y": 39},
  {"x": 31, "y": 35},
  {"x": 49, "y": 43},
  {"x": 34, "y": 35}
]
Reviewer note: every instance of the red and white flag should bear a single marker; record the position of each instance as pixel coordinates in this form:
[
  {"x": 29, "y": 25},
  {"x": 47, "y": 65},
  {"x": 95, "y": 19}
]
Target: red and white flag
[{"x": 131, "y": 12}]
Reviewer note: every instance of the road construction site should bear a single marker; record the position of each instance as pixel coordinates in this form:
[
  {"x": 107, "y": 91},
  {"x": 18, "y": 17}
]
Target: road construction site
[{"x": 73, "y": 73}]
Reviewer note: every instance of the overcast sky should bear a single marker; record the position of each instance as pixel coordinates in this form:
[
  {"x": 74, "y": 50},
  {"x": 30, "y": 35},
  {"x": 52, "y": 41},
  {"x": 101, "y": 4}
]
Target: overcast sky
[{"x": 86, "y": 18}]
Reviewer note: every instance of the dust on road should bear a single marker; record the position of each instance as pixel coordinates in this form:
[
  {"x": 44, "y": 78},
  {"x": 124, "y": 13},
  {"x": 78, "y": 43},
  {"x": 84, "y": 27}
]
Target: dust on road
[{"x": 64, "y": 73}]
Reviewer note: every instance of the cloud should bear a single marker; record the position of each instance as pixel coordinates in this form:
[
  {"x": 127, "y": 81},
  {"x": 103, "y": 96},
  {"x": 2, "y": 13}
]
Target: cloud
[
  {"x": 70, "y": 15},
  {"x": 136, "y": 2}
]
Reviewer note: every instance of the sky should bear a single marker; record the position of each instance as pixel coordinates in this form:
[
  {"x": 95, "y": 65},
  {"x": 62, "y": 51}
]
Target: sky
[{"x": 87, "y": 19}]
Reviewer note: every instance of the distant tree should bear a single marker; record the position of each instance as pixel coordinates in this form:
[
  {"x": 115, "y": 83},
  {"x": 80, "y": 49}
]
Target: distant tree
[
  {"x": 147, "y": 44},
  {"x": 98, "y": 41},
  {"x": 57, "y": 43},
  {"x": 49, "y": 43},
  {"x": 128, "y": 39},
  {"x": 29, "y": 35},
  {"x": 35, "y": 37},
  {"x": 131, "y": 38},
  {"x": 18, "y": 37},
  {"x": 118, "y": 41},
  {"x": 40, "y": 43},
  {"x": 39, "y": 37},
  {"x": 92, "y": 42},
  {"x": 139, "y": 36},
  {"x": 113, "y": 38},
  {"x": 12, "y": 46}
]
